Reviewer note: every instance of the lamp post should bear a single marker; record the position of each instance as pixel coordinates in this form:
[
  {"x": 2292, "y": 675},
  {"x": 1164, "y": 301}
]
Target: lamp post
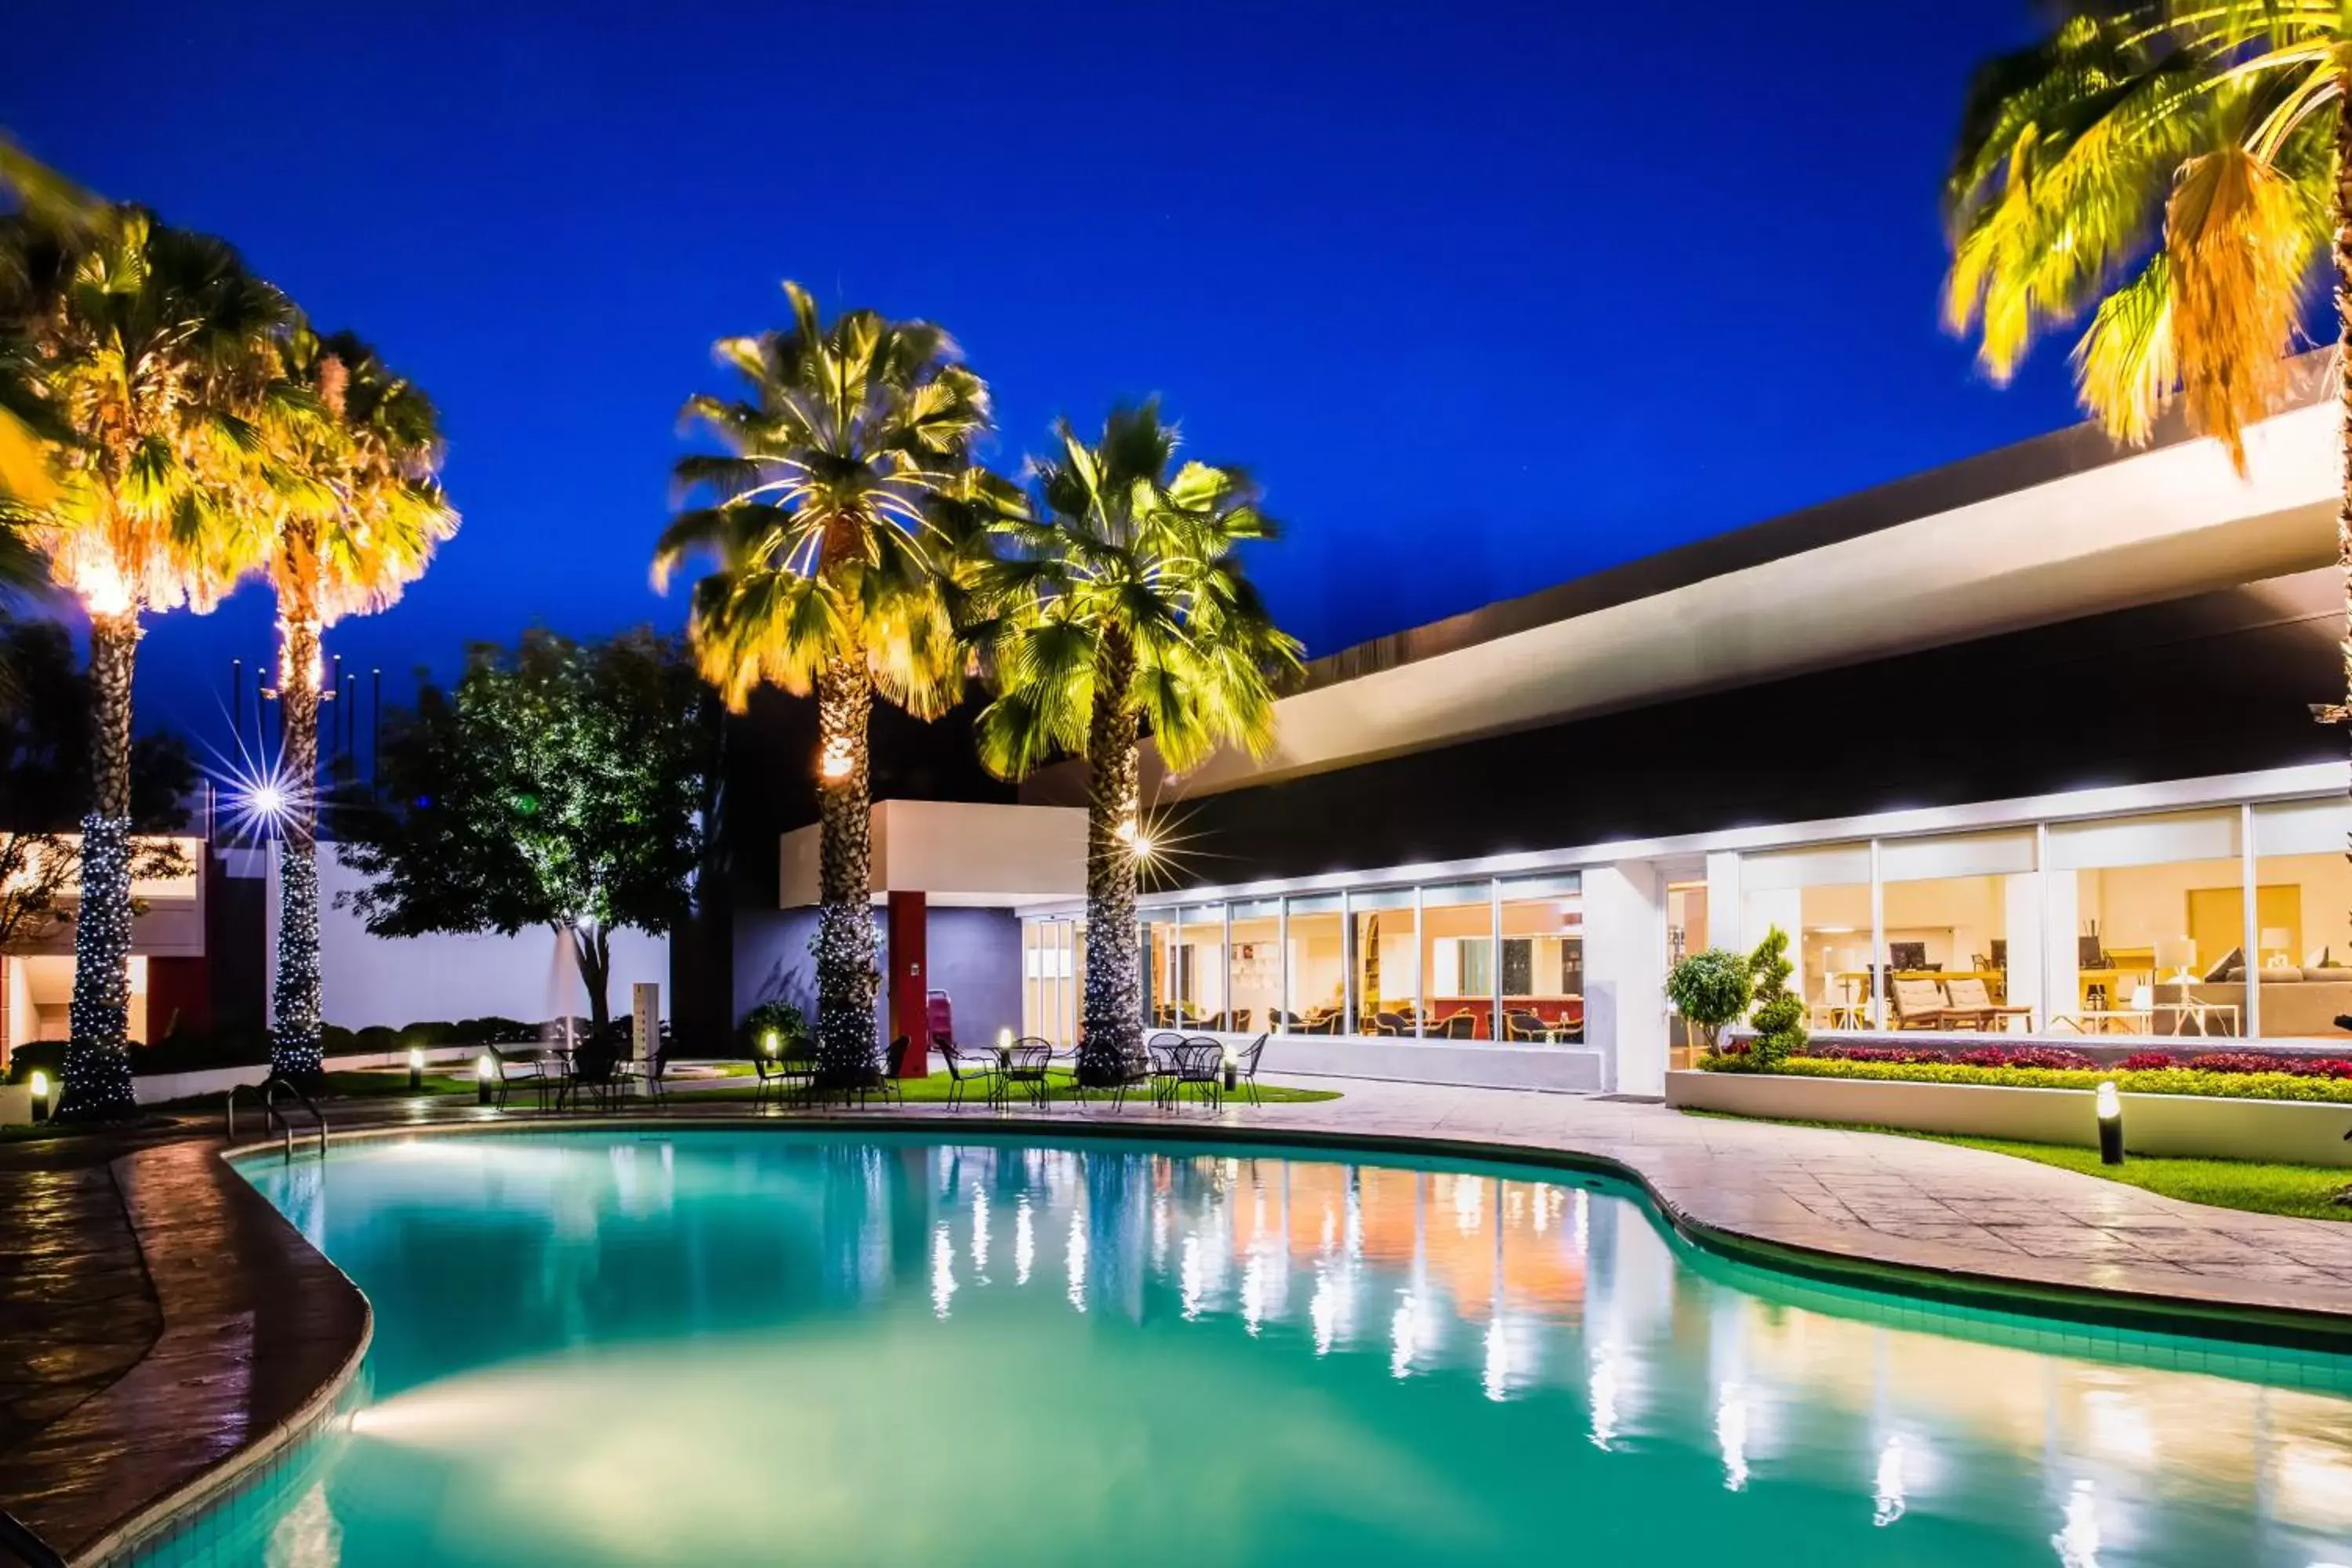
[{"x": 2111, "y": 1125}]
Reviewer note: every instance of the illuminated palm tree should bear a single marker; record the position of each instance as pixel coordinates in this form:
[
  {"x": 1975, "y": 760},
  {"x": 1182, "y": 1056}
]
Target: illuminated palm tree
[
  {"x": 152, "y": 345},
  {"x": 1123, "y": 605},
  {"x": 2176, "y": 172},
  {"x": 829, "y": 525},
  {"x": 28, "y": 435},
  {"x": 353, "y": 514}
]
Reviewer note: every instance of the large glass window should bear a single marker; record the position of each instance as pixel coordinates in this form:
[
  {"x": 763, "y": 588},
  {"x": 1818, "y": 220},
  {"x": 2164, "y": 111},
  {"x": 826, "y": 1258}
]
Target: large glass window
[
  {"x": 1198, "y": 994},
  {"x": 1543, "y": 959},
  {"x": 1962, "y": 921},
  {"x": 2302, "y": 918},
  {"x": 1687, "y": 933},
  {"x": 1388, "y": 963},
  {"x": 2147, "y": 925},
  {"x": 1458, "y": 941},
  {"x": 1820, "y": 897},
  {"x": 1315, "y": 968},
  {"x": 1052, "y": 958},
  {"x": 1253, "y": 987}
]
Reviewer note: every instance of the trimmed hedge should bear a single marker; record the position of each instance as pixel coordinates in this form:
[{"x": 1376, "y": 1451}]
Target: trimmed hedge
[{"x": 2157, "y": 1081}]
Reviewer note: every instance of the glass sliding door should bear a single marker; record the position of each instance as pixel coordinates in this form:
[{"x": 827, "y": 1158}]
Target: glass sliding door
[
  {"x": 2147, "y": 925},
  {"x": 1820, "y": 897},
  {"x": 1253, "y": 983},
  {"x": 1542, "y": 979},
  {"x": 1963, "y": 930},
  {"x": 2303, "y": 920},
  {"x": 1458, "y": 957},
  {"x": 1388, "y": 962},
  {"x": 1315, "y": 968}
]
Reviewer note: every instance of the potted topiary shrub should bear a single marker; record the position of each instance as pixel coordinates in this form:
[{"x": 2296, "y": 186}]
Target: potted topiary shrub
[
  {"x": 1709, "y": 989},
  {"x": 1779, "y": 1018}
]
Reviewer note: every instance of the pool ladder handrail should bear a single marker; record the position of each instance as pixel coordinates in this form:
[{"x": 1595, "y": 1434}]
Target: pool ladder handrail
[
  {"x": 268, "y": 1090},
  {"x": 23, "y": 1542}
]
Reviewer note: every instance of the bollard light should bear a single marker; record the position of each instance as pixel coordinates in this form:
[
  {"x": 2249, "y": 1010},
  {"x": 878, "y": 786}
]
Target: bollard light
[
  {"x": 41, "y": 1107},
  {"x": 485, "y": 1069},
  {"x": 770, "y": 1042},
  {"x": 2111, "y": 1125},
  {"x": 415, "y": 1068}
]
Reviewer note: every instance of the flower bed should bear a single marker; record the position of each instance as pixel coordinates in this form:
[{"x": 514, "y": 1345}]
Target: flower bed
[{"x": 2221, "y": 1075}]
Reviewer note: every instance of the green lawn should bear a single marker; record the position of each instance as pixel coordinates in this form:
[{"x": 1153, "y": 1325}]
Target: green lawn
[{"x": 2307, "y": 1192}]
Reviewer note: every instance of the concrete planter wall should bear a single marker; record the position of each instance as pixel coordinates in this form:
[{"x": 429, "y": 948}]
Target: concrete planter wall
[
  {"x": 156, "y": 1088},
  {"x": 1573, "y": 1069},
  {"x": 2174, "y": 1124}
]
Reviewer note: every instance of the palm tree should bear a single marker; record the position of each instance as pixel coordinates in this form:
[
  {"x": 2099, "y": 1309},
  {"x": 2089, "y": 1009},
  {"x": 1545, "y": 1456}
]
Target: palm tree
[
  {"x": 352, "y": 513},
  {"x": 152, "y": 345},
  {"x": 1124, "y": 603},
  {"x": 827, "y": 524},
  {"x": 2176, "y": 172}
]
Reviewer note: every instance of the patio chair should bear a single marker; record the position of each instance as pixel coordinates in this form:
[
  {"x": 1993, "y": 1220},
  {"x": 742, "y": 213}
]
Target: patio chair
[
  {"x": 1200, "y": 1065},
  {"x": 788, "y": 1079},
  {"x": 595, "y": 1077},
  {"x": 1247, "y": 1067},
  {"x": 1134, "y": 1069},
  {"x": 1159, "y": 1052},
  {"x": 651, "y": 1071},
  {"x": 1522, "y": 1024},
  {"x": 967, "y": 1067},
  {"x": 1024, "y": 1067}
]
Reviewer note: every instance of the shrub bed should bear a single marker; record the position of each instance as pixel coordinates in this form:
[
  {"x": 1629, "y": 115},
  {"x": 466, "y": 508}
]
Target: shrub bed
[{"x": 2236, "y": 1082}]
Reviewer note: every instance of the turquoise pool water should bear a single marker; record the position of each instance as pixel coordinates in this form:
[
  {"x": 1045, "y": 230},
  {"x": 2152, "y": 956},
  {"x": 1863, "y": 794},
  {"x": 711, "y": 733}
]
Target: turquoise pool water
[{"x": 722, "y": 1348}]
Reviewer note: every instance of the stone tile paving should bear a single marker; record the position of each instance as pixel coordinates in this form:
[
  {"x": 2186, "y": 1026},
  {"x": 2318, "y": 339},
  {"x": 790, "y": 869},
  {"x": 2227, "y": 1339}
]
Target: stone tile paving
[{"x": 243, "y": 1325}]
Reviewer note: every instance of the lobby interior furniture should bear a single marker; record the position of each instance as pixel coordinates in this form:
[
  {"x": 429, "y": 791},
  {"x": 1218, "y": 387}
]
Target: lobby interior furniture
[
  {"x": 2297, "y": 1003},
  {"x": 1390, "y": 1023},
  {"x": 1970, "y": 997},
  {"x": 2139, "y": 1018},
  {"x": 1917, "y": 1003},
  {"x": 1455, "y": 1026}
]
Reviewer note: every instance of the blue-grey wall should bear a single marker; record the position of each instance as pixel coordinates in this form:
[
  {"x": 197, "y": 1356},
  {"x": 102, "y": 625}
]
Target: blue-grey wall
[{"x": 975, "y": 957}]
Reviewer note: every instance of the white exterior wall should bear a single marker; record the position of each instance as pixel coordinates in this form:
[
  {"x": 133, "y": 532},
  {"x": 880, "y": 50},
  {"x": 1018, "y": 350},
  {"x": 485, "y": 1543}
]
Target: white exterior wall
[
  {"x": 367, "y": 980},
  {"x": 1626, "y": 974}
]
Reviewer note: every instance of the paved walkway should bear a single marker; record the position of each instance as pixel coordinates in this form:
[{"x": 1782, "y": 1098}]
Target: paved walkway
[{"x": 240, "y": 1327}]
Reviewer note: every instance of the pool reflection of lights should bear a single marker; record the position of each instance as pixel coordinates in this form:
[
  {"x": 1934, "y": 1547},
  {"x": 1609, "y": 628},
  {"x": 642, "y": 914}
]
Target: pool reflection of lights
[
  {"x": 2077, "y": 1541},
  {"x": 1731, "y": 1436}
]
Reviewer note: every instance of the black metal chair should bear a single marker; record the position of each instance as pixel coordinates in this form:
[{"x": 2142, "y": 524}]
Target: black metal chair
[
  {"x": 881, "y": 1076},
  {"x": 651, "y": 1071},
  {"x": 1160, "y": 1054},
  {"x": 1200, "y": 1065},
  {"x": 595, "y": 1077},
  {"x": 965, "y": 1067},
  {"x": 1246, "y": 1067},
  {"x": 1134, "y": 1070},
  {"x": 788, "y": 1080},
  {"x": 1026, "y": 1063}
]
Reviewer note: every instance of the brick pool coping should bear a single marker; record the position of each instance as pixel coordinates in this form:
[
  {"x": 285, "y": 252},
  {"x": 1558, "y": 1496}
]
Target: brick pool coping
[{"x": 262, "y": 1336}]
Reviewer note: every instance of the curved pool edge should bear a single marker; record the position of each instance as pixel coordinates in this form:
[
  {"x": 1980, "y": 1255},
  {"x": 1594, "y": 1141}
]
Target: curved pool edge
[
  {"x": 2153, "y": 1311},
  {"x": 262, "y": 1336}
]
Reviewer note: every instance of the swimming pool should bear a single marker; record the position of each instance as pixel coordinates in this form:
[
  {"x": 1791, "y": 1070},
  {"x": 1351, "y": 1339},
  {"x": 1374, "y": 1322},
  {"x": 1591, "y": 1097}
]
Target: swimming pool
[{"x": 759, "y": 1347}]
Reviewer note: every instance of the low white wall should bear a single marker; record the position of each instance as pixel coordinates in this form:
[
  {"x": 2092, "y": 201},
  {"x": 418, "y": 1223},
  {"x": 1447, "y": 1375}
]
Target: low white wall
[
  {"x": 1565, "y": 1068},
  {"x": 2157, "y": 1124},
  {"x": 366, "y": 980}
]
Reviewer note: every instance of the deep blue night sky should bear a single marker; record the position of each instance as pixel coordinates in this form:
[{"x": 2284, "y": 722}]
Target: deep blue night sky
[{"x": 1487, "y": 296}]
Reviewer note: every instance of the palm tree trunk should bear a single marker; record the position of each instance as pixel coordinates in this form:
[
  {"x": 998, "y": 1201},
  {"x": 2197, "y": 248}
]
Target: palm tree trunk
[
  {"x": 96, "y": 1075},
  {"x": 294, "y": 1037},
  {"x": 1112, "y": 1025},
  {"x": 845, "y": 972},
  {"x": 2344, "y": 376}
]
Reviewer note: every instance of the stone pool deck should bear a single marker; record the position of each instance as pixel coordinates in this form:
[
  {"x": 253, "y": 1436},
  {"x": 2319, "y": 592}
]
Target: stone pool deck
[{"x": 176, "y": 1326}]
